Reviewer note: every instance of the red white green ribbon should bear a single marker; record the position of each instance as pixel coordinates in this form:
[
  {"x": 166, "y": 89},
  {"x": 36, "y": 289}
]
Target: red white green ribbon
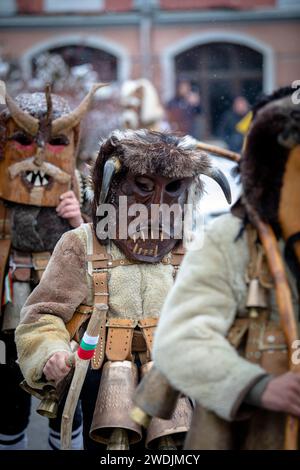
[{"x": 87, "y": 346}]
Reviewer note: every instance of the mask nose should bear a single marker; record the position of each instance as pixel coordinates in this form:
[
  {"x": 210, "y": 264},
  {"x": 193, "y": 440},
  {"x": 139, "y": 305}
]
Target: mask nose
[
  {"x": 158, "y": 197},
  {"x": 39, "y": 157}
]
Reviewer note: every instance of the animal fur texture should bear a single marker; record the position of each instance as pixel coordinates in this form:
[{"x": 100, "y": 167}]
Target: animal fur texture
[
  {"x": 35, "y": 229},
  {"x": 264, "y": 157}
]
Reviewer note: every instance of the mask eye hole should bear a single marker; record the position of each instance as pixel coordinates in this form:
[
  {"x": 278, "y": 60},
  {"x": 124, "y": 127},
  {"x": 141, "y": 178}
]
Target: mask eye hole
[
  {"x": 144, "y": 184},
  {"x": 22, "y": 138},
  {"x": 59, "y": 140},
  {"x": 174, "y": 186}
]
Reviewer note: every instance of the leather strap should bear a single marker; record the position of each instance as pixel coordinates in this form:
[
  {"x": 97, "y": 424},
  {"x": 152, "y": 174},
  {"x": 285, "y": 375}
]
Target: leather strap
[
  {"x": 100, "y": 297},
  {"x": 255, "y": 331},
  {"x": 238, "y": 331},
  {"x": 4, "y": 221},
  {"x": 20, "y": 265},
  {"x": 175, "y": 259},
  {"x": 73, "y": 326},
  {"x": 4, "y": 254},
  {"x": 148, "y": 326},
  {"x": 99, "y": 251},
  {"x": 258, "y": 265},
  {"x": 273, "y": 347},
  {"x": 81, "y": 315},
  {"x": 100, "y": 280},
  {"x": 110, "y": 263},
  {"x": 40, "y": 261},
  {"x": 119, "y": 339}
]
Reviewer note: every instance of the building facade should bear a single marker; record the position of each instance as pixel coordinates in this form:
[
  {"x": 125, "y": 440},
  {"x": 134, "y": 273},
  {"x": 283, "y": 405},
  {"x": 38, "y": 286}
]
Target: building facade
[{"x": 225, "y": 48}]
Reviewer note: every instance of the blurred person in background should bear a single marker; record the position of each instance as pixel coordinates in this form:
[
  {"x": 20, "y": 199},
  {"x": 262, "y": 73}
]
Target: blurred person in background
[
  {"x": 228, "y": 130},
  {"x": 141, "y": 106},
  {"x": 183, "y": 109}
]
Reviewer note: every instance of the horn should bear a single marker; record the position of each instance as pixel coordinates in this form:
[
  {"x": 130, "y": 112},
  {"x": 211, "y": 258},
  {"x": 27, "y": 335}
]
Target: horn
[
  {"x": 49, "y": 103},
  {"x": 220, "y": 178},
  {"x": 111, "y": 166},
  {"x": 71, "y": 120},
  {"x": 23, "y": 119}
]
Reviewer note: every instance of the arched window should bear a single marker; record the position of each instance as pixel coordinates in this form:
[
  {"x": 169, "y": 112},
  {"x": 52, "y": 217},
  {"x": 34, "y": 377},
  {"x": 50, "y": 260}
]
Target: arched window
[
  {"x": 109, "y": 59},
  {"x": 104, "y": 63},
  {"x": 220, "y": 71}
]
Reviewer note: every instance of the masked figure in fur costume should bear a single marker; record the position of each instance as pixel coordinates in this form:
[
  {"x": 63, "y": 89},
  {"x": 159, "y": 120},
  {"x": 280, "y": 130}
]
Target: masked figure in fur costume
[
  {"x": 240, "y": 293},
  {"x": 141, "y": 106},
  {"x": 41, "y": 197},
  {"x": 130, "y": 274}
]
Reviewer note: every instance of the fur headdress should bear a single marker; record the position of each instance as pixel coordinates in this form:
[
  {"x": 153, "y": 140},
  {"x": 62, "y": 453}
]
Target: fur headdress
[
  {"x": 153, "y": 153},
  {"x": 275, "y": 129}
]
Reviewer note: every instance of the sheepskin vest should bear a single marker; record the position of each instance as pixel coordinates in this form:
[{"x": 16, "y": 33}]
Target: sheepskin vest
[{"x": 133, "y": 291}]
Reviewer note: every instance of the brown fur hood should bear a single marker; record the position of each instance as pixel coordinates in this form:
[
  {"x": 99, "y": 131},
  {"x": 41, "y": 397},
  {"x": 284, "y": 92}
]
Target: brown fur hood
[{"x": 274, "y": 131}]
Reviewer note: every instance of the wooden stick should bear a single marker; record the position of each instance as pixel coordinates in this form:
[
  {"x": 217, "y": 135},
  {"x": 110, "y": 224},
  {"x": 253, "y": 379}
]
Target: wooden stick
[
  {"x": 81, "y": 367},
  {"x": 219, "y": 151},
  {"x": 287, "y": 315}
]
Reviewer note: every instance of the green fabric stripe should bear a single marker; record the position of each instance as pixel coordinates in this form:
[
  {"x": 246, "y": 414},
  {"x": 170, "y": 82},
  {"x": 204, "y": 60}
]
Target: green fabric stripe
[{"x": 87, "y": 347}]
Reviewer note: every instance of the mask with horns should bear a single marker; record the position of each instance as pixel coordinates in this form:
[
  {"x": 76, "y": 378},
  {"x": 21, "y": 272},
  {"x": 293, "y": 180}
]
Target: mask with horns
[
  {"x": 150, "y": 169},
  {"x": 38, "y": 141}
]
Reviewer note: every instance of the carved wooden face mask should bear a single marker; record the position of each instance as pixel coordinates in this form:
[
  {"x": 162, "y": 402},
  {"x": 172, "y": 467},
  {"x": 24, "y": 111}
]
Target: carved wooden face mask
[
  {"x": 38, "y": 148},
  {"x": 152, "y": 234}
]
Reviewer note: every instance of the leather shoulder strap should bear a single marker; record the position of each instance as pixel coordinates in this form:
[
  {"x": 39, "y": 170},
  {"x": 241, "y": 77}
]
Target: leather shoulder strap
[
  {"x": 101, "y": 295},
  {"x": 4, "y": 221}
]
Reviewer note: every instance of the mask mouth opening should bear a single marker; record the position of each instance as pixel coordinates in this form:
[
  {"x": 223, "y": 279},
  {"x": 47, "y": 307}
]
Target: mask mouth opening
[
  {"x": 151, "y": 232},
  {"x": 36, "y": 178},
  {"x": 152, "y": 244}
]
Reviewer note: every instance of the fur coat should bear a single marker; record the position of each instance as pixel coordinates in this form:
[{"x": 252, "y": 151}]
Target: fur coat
[
  {"x": 135, "y": 292},
  {"x": 209, "y": 293}
]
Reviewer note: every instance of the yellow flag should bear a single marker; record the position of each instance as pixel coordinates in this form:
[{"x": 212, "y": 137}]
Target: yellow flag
[{"x": 244, "y": 124}]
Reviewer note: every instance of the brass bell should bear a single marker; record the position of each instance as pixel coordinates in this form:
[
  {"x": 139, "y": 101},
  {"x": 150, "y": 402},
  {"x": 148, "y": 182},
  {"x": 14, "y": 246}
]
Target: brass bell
[
  {"x": 257, "y": 297},
  {"x": 175, "y": 428},
  {"x": 48, "y": 407},
  {"x": 114, "y": 402},
  {"x": 167, "y": 433},
  {"x": 154, "y": 396},
  {"x": 208, "y": 431}
]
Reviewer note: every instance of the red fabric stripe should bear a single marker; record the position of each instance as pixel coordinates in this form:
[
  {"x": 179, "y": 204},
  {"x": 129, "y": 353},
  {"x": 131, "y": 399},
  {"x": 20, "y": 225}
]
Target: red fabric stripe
[{"x": 83, "y": 354}]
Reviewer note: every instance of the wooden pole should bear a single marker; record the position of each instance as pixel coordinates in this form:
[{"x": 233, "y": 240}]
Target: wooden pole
[
  {"x": 81, "y": 367},
  {"x": 219, "y": 151},
  {"x": 286, "y": 311}
]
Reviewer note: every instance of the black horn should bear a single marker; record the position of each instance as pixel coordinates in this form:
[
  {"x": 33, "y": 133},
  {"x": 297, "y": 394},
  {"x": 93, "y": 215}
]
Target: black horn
[
  {"x": 221, "y": 179},
  {"x": 111, "y": 167}
]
